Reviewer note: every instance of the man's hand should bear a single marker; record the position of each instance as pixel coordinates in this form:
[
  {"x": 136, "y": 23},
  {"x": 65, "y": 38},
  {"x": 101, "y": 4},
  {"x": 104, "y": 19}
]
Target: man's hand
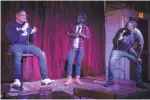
[
  {"x": 139, "y": 60},
  {"x": 25, "y": 26},
  {"x": 120, "y": 38},
  {"x": 34, "y": 30},
  {"x": 77, "y": 34},
  {"x": 82, "y": 35}
]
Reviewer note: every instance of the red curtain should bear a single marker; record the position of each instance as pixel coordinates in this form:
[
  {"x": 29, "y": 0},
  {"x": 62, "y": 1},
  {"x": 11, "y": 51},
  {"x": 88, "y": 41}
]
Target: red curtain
[{"x": 53, "y": 18}]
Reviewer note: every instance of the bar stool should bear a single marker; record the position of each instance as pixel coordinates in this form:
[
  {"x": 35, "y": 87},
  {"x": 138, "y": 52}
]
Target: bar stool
[{"x": 22, "y": 61}]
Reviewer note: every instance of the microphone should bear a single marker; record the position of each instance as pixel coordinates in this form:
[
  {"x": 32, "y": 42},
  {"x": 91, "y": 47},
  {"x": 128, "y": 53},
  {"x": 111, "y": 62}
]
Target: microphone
[
  {"x": 124, "y": 31},
  {"x": 25, "y": 21},
  {"x": 77, "y": 34},
  {"x": 25, "y": 25},
  {"x": 79, "y": 29}
]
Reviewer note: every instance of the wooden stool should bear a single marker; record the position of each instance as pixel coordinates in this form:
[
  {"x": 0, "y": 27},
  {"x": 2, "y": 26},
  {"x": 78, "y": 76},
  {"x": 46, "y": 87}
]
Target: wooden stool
[{"x": 22, "y": 59}]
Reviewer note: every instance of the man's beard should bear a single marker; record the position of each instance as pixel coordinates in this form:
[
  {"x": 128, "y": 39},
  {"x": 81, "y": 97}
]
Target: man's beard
[{"x": 79, "y": 22}]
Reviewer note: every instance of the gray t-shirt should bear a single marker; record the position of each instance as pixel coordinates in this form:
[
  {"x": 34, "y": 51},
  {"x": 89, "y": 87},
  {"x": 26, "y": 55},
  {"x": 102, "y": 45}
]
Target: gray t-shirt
[{"x": 129, "y": 39}]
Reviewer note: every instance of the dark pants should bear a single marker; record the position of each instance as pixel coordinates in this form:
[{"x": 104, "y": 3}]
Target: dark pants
[
  {"x": 19, "y": 49},
  {"x": 79, "y": 56},
  {"x": 118, "y": 54}
]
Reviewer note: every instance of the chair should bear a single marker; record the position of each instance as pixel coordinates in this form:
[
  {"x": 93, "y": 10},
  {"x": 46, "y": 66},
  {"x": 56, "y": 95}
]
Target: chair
[
  {"x": 23, "y": 56},
  {"x": 95, "y": 94}
]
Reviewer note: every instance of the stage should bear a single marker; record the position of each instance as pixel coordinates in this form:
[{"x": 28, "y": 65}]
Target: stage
[{"x": 122, "y": 89}]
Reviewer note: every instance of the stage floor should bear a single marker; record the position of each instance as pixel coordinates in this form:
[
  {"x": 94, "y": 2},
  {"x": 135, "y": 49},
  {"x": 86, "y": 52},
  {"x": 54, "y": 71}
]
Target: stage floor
[{"x": 123, "y": 89}]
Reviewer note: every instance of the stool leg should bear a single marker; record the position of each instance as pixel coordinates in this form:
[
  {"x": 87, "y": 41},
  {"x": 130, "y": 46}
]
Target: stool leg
[
  {"x": 21, "y": 88},
  {"x": 9, "y": 70},
  {"x": 8, "y": 65},
  {"x": 3, "y": 96}
]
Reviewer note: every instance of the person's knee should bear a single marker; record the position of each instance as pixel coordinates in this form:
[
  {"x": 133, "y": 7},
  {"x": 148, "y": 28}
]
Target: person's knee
[
  {"x": 17, "y": 59},
  {"x": 78, "y": 63},
  {"x": 18, "y": 54},
  {"x": 70, "y": 62},
  {"x": 43, "y": 54},
  {"x": 112, "y": 61}
]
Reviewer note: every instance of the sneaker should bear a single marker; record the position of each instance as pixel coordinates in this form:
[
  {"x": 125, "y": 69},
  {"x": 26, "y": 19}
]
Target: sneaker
[
  {"x": 47, "y": 81},
  {"x": 69, "y": 81},
  {"x": 16, "y": 84},
  {"x": 78, "y": 81},
  {"x": 108, "y": 84},
  {"x": 141, "y": 85}
]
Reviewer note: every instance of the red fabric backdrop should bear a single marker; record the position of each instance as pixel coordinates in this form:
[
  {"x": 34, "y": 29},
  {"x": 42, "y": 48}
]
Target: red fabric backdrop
[{"x": 53, "y": 20}]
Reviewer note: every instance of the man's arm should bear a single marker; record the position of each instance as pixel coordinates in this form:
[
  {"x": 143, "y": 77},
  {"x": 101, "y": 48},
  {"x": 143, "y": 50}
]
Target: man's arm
[
  {"x": 116, "y": 38},
  {"x": 139, "y": 52},
  {"x": 32, "y": 34},
  {"x": 140, "y": 43},
  {"x": 32, "y": 37},
  {"x": 12, "y": 33},
  {"x": 70, "y": 33}
]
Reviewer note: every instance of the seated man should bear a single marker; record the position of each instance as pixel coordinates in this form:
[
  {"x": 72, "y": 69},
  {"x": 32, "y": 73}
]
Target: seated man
[{"x": 20, "y": 36}]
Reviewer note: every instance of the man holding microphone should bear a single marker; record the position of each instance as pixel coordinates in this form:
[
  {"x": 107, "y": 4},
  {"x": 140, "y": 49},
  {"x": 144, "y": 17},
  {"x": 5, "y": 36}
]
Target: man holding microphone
[
  {"x": 78, "y": 33},
  {"x": 21, "y": 36},
  {"x": 123, "y": 47}
]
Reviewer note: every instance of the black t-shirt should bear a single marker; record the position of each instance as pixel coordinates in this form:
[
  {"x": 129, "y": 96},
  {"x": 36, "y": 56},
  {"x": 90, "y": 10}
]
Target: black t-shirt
[{"x": 129, "y": 39}]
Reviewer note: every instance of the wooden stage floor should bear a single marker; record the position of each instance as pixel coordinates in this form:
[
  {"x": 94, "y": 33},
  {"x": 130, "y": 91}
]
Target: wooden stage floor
[{"x": 123, "y": 89}]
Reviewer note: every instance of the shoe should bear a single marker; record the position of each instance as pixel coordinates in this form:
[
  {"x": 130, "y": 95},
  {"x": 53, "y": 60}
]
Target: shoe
[
  {"x": 69, "y": 81},
  {"x": 47, "y": 81},
  {"x": 78, "y": 81},
  {"x": 141, "y": 85},
  {"x": 108, "y": 84},
  {"x": 16, "y": 84}
]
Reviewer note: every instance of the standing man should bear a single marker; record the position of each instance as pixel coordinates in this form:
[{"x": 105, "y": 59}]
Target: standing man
[
  {"x": 21, "y": 36},
  {"x": 123, "y": 47},
  {"x": 77, "y": 33}
]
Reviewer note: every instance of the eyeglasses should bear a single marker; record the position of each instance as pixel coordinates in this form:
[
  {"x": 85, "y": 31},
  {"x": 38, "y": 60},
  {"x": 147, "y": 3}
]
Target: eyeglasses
[{"x": 23, "y": 15}]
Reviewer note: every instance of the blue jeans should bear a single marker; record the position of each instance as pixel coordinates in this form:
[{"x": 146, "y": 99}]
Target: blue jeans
[
  {"x": 19, "y": 49},
  {"x": 118, "y": 54},
  {"x": 79, "y": 56}
]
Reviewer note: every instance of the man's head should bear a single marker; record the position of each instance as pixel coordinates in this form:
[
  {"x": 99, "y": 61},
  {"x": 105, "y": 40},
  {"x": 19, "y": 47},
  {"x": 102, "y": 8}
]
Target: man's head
[
  {"x": 131, "y": 25},
  {"x": 82, "y": 18},
  {"x": 21, "y": 16}
]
